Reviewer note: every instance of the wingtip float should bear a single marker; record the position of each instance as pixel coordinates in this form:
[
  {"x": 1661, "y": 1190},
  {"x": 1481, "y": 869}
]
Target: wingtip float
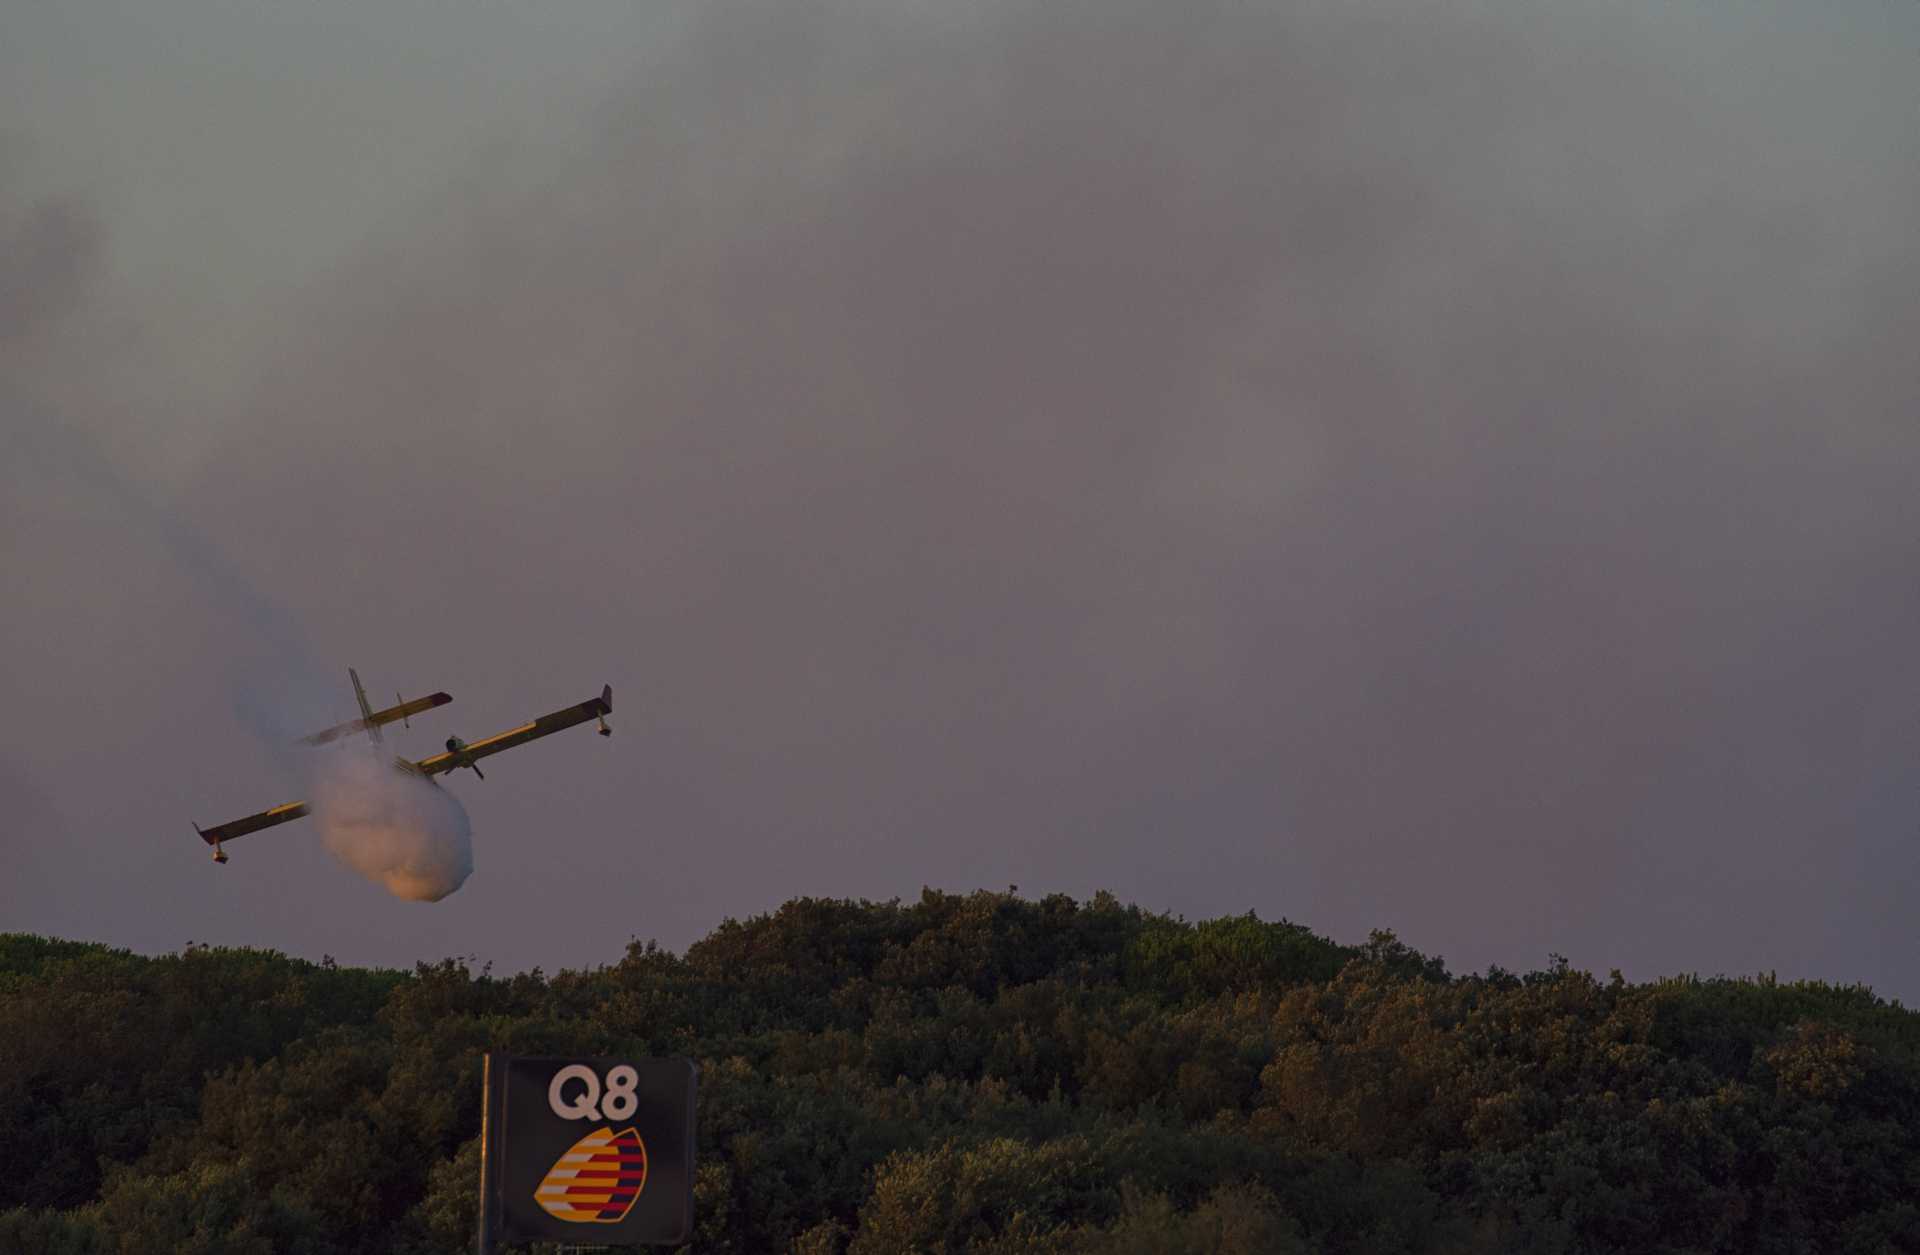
[{"x": 458, "y": 753}]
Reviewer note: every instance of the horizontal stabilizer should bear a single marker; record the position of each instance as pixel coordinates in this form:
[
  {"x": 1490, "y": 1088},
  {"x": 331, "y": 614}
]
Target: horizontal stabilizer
[{"x": 378, "y": 718}]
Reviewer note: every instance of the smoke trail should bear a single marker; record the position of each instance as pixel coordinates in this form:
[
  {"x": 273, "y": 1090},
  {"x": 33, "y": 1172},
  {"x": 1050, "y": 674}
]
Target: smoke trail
[{"x": 396, "y": 829}]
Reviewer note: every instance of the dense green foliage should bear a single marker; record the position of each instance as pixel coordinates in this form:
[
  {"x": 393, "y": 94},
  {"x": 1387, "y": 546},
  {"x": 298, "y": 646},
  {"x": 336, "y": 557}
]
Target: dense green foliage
[{"x": 975, "y": 1073}]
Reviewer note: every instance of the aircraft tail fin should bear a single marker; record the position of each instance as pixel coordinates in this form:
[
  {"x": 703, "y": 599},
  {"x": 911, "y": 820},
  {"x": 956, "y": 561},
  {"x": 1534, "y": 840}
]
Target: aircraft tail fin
[{"x": 366, "y": 711}]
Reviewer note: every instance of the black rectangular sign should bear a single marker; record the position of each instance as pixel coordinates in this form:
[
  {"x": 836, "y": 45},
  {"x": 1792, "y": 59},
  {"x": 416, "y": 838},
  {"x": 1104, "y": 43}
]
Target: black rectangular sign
[{"x": 595, "y": 1152}]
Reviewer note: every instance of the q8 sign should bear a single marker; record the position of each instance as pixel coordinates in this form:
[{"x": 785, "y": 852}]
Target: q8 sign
[{"x": 595, "y": 1152}]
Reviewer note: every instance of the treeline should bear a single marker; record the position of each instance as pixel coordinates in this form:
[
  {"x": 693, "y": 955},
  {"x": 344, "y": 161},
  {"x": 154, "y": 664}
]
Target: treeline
[{"x": 975, "y": 1073}]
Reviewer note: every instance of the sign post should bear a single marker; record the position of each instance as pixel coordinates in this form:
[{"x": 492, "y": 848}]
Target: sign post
[{"x": 597, "y": 1152}]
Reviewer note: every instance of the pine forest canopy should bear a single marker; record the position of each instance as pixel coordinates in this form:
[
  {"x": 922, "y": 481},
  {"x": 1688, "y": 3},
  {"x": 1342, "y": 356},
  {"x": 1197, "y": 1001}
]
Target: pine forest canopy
[{"x": 978, "y": 1073}]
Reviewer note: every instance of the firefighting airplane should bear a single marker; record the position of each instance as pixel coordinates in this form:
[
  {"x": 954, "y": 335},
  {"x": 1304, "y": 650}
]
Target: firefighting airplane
[{"x": 459, "y": 753}]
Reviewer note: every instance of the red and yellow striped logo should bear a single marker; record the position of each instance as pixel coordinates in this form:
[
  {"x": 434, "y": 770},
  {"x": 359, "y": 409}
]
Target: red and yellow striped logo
[{"x": 597, "y": 1180}]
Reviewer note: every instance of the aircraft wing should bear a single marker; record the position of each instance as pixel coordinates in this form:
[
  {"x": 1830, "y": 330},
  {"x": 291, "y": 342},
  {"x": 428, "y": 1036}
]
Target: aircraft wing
[
  {"x": 596, "y": 708},
  {"x": 252, "y": 823},
  {"x": 378, "y": 718}
]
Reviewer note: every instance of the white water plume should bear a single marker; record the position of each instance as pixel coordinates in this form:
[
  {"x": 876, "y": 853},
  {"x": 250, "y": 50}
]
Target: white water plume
[{"x": 396, "y": 829}]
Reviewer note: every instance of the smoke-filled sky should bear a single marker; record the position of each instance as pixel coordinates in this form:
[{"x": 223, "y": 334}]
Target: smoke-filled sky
[{"x": 1441, "y": 467}]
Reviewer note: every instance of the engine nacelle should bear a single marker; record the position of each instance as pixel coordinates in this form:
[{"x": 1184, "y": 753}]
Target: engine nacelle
[{"x": 458, "y": 748}]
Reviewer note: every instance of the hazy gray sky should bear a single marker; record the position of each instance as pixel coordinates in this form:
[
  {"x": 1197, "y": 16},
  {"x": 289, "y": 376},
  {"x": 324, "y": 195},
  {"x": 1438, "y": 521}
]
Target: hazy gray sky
[{"x": 1448, "y": 468}]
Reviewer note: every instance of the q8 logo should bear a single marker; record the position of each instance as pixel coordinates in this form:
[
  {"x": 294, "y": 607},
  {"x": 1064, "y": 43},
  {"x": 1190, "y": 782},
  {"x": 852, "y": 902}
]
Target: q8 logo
[
  {"x": 615, "y": 1101},
  {"x": 596, "y": 1146}
]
